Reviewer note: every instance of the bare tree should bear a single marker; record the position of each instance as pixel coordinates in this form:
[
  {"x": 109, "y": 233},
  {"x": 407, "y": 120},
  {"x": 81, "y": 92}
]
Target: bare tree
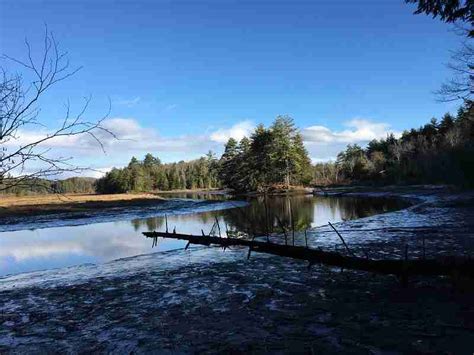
[
  {"x": 461, "y": 85},
  {"x": 461, "y": 14},
  {"x": 22, "y": 161}
]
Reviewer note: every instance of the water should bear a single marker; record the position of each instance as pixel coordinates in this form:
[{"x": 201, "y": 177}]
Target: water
[{"x": 59, "y": 242}]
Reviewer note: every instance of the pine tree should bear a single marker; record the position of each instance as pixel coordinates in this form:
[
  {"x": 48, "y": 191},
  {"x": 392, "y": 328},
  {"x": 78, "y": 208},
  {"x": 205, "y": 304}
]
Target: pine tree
[
  {"x": 282, "y": 153},
  {"x": 228, "y": 163},
  {"x": 261, "y": 158},
  {"x": 301, "y": 162}
]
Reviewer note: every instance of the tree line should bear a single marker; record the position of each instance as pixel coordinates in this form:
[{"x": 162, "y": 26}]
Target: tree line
[
  {"x": 37, "y": 186},
  {"x": 151, "y": 174},
  {"x": 271, "y": 157},
  {"x": 438, "y": 152}
]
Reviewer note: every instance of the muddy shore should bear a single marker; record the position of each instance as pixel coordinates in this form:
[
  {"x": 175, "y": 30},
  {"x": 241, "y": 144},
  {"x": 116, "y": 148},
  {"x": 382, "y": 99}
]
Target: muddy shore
[{"x": 206, "y": 300}]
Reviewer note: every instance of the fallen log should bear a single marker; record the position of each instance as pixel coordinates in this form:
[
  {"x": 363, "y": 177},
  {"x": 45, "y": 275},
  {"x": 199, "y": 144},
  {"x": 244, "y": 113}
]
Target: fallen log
[{"x": 402, "y": 268}]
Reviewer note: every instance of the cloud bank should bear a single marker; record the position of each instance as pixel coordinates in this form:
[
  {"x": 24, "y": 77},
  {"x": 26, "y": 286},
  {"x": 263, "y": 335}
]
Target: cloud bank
[
  {"x": 324, "y": 144},
  {"x": 358, "y": 130}
]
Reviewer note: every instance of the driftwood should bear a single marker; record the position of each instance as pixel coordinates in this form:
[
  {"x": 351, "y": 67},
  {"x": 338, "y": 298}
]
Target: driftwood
[{"x": 401, "y": 268}]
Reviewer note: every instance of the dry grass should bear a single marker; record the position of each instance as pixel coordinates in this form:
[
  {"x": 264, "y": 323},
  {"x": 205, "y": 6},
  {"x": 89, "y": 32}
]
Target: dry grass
[
  {"x": 10, "y": 200},
  {"x": 47, "y": 204}
]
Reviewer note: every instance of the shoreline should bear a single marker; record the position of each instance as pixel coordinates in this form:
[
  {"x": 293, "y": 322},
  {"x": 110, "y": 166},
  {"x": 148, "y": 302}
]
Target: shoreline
[
  {"x": 12, "y": 206},
  {"x": 72, "y": 203}
]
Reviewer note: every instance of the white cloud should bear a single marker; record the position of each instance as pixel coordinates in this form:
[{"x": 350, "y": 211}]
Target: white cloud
[
  {"x": 316, "y": 160},
  {"x": 131, "y": 136},
  {"x": 359, "y": 130},
  {"x": 237, "y": 131},
  {"x": 324, "y": 144}
]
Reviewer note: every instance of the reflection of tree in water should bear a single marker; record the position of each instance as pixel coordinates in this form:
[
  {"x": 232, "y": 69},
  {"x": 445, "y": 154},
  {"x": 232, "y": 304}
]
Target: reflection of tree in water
[
  {"x": 208, "y": 217},
  {"x": 158, "y": 223},
  {"x": 150, "y": 224},
  {"x": 195, "y": 196},
  {"x": 271, "y": 212},
  {"x": 301, "y": 209}
]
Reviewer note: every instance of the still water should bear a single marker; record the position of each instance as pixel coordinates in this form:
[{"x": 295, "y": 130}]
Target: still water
[{"x": 61, "y": 245}]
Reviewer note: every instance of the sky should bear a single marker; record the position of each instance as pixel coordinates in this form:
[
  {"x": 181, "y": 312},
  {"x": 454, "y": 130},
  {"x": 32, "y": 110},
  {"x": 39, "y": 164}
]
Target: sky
[{"x": 184, "y": 76}]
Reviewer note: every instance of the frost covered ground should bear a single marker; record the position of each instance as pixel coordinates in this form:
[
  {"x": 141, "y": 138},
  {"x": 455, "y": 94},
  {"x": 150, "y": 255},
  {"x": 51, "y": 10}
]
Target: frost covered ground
[{"x": 207, "y": 300}]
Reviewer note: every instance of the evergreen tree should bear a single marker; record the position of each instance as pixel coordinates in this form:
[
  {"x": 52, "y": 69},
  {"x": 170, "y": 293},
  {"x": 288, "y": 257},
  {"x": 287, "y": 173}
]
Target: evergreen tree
[
  {"x": 283, "y": 154},
  {"x": 272, "y": 156},
  {"x": 150, "y": 161},
  {"x": 228, "y": 164},
  {"x": 302, "y": 162}
]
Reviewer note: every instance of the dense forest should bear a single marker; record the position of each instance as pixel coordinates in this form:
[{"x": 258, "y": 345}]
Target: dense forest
[
  {"x": 438, "y": 152},
  {"x": 150, "y": 174}
]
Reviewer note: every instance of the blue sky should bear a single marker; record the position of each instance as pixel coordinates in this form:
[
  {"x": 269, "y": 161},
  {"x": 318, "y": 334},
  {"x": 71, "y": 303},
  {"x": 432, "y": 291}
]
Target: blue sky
[{"x": 185, "y": 75}]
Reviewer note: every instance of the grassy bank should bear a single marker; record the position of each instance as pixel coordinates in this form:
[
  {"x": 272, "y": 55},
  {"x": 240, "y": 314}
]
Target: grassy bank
[{"x": 48, "y": 204}]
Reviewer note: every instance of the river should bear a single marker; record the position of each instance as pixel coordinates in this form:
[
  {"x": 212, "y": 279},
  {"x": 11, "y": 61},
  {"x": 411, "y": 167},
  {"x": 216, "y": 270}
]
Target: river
[{"x": 49, "y": 242}]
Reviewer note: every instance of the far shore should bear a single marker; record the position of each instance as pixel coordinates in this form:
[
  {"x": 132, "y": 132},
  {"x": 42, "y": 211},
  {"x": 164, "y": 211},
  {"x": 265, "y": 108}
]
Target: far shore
[
  {"x": 45, "y": 204},
  {"x": 13, "y": 206}
]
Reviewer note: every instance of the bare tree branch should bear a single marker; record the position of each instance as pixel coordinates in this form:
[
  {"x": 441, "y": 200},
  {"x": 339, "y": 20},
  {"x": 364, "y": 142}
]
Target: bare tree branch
[
  {"x": 461, "y": 85},
  {"x": 26, "y": 162}
]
